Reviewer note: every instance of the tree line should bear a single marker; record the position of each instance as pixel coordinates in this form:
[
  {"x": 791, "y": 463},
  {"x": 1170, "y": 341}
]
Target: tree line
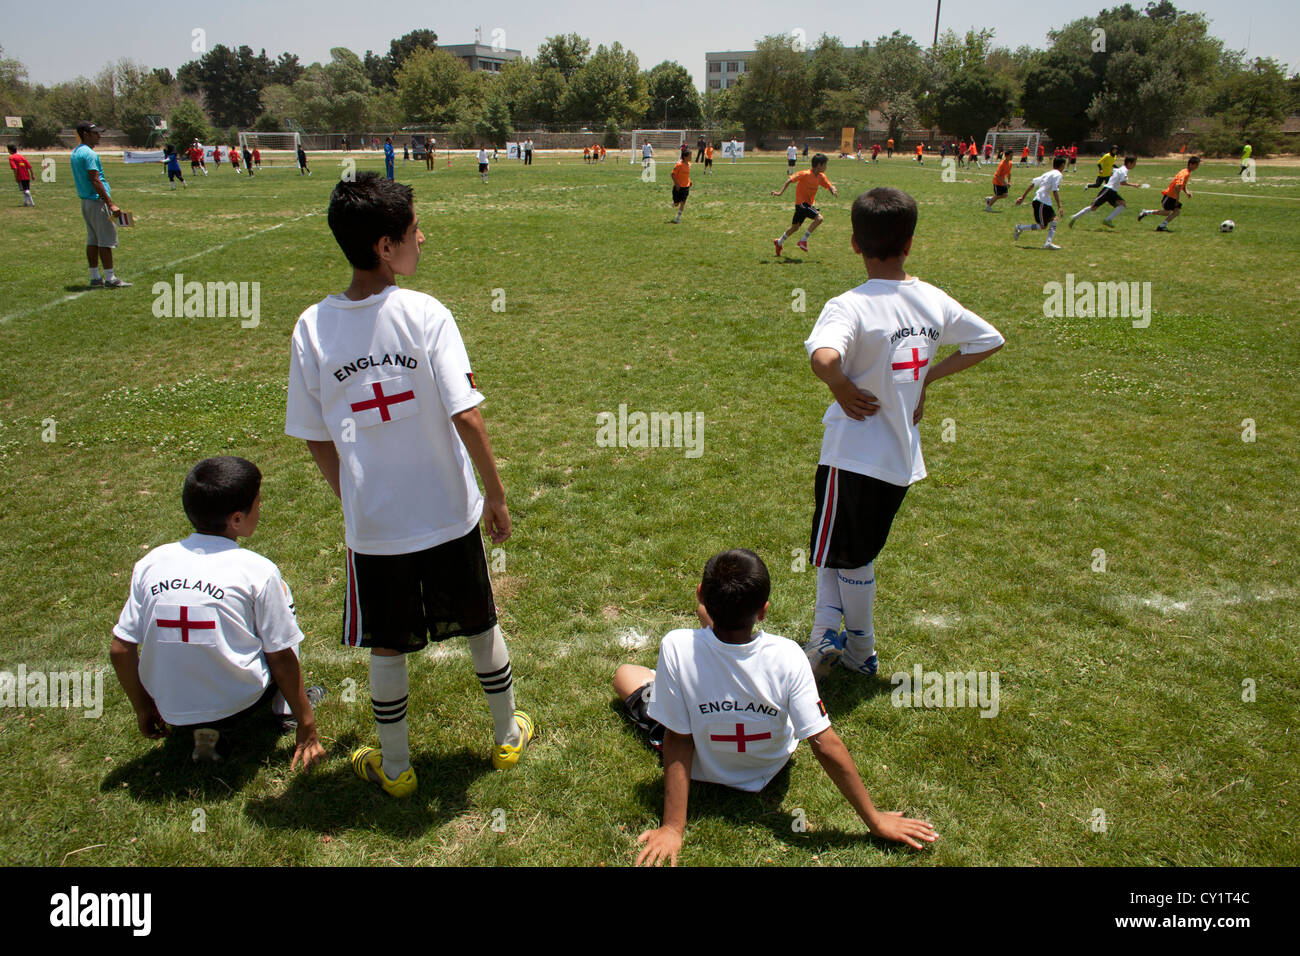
[{"x": 1128, "y": 75}]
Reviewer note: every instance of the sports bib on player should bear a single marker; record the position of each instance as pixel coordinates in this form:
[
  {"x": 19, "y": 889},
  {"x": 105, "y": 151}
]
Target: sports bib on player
[
  {"x": 181, "y": 624},
  {"x": 389, "y": 400}
]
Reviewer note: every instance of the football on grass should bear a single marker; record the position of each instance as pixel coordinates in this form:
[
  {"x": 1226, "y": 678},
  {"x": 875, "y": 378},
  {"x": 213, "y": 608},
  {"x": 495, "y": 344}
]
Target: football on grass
[{"x": 1227, "y": 225}]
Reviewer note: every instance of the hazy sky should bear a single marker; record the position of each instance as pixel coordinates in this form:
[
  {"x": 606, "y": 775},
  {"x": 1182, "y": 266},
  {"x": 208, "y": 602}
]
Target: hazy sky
[{"x": 58, "y": 41}]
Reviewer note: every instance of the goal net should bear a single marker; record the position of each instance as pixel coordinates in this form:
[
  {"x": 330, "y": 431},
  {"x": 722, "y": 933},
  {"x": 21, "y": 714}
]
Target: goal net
[
  {"x": 1014, "y": 141},
  {"x": 659, "y": 139},
  {"x": 277, "y": 149}
]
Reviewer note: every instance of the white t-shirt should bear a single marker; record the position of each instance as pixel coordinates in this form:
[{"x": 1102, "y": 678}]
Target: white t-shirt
[
  {"x": 746, "y": 705},
  {"x": 1047, "y": 183},
  {"x": 1118, "y": 177},
  {"x": 381, "y": 378},
  {"x": 483, "y": 156},
  {"x": 205, "y": 613},
  {"x": 791, "y": 153},
  {"x": 647, "y": 151},
  {"x": 887, "y": 333}
]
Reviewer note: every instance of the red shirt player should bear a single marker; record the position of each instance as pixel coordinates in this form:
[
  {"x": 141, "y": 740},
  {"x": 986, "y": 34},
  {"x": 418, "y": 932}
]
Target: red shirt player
[
  {"x": 216, "y": 156},
  {"x": 1042, "y": 151},
  {"x": 1024, "y": 155}
]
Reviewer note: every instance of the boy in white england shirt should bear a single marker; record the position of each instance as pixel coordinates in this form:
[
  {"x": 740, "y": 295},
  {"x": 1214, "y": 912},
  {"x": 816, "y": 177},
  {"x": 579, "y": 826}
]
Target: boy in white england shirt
[
  {"x": 380, "y": 386},
  {"x": 208, "y": 634},
  {"x": 874, "y": 347},
  {"x": 731, "y": 706}
]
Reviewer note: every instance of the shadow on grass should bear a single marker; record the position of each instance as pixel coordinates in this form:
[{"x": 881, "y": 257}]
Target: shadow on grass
[
  {"x": 327, "y": 801},
  {"x": 166, "y": 770}
]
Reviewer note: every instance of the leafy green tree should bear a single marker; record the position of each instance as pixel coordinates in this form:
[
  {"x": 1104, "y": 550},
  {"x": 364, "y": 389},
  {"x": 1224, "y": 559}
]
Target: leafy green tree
[
  {"x": 1247, "y": 105},
  {"x": 972, "y": 100},
  {"x": 286, "y": 70},
  {"x": 39, "y": 132},
  {"x": 896, "y": 76},
  {"x": 428, "y": 85},
  {"x": 669, "y": 79},
  {"x": 775, "y": 90},
  {"x": 609, "y": 84},
  {"x": 1057, "y": 93},
  {"x": 566, "y": 53},
  {"x": 187, "y": 123}
]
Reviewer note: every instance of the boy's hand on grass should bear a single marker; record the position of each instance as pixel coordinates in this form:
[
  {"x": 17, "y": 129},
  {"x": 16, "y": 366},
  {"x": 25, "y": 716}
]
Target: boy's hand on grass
[
  {"x": 857, "y": 404},
  {"x": 308, "y": 749},
  {"x": 662, "y": 844},
  {"x": 151, "y": 723},
  {"x": 496, "y": 519},
  {"x": 894, "y": 826}
]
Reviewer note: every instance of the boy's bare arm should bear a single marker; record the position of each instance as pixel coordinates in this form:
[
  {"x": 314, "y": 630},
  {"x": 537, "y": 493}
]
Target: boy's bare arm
[
  {"x": 126, "y": 664},
  {"x": 327, "y": 460},
  {"x": 835, "y": 760},
  {"x": 857, "y": 404},
  {"x": 473, "y": 433},
  {"x": 287, "y": 674},
  {"x": 665, "y": 842}
]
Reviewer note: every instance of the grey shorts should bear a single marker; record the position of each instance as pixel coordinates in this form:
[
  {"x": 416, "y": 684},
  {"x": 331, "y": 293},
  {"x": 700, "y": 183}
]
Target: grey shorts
[{"x": 101, "y": 230}]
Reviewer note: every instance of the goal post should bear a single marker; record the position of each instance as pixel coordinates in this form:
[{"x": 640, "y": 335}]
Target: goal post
[
  {"x": 286, "y": 142},
  {"x": 1014, "y": 140},
  {"x": 658, "y": 139}
]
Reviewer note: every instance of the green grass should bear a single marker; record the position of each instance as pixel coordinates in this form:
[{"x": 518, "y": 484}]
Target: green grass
[{"x": 1120, "y": 690}]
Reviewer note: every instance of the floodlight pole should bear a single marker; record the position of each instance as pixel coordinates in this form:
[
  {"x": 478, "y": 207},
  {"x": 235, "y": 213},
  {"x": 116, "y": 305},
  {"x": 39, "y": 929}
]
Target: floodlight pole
[
  {"x": 666, "y": 102},
  {"x": 938, "y": 5}
]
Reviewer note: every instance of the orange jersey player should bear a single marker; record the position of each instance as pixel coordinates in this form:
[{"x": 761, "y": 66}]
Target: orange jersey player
[
  {"x": 681, "y": 184},
  {"x": 1169, "y": 202},
  {"x": 807, "y": 182},
  {"x": 1001, "y": 180}
]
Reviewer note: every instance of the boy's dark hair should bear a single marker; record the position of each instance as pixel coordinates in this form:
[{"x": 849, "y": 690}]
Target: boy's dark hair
[
  {"x": 1059, "y": 162},
  {"x": 883, "y": 220},
  {"x": 1193, "y": 159},
  {"x": 735, "y": 588},
  {"x": 364, "y": 211},
  {"x": 216, "y": 488},
  {"x": 13, "y": 148},
  {"x": 819, "y": 159},
  {"x": 1130, "y": 160}
]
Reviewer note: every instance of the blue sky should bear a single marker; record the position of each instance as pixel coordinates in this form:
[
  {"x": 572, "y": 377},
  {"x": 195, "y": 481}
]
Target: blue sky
[{"x": 58, "y": 41}]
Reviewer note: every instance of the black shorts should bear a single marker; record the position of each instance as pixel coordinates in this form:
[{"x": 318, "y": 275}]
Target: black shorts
[
  {"x": 1107, "y": 195},
  {"x": 1000, "y": 190},
  {"x": 852, "y": 518},
  {"x": 804, "y": 211},
  {"x": 482, "y": 167},
  {"x": 1043, "y": 213},
  {"x": 708, "y": 161},
  {"x": 791, "y": 162},
  {"x": 680, "y": 193},
  {"x": 194, "y": 164},
  {"x": 1169, "y": 203},
  {"x": 261, "y": 705},
  {"x": 174, "y": 174},
  {"x": 402, "y": 601},
  {"x": 24, "y": 185},
  {"x": 637, "y": 707}
]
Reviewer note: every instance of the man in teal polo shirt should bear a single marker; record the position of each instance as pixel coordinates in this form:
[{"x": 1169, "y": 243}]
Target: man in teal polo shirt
[{"x": 97, "y": 207}]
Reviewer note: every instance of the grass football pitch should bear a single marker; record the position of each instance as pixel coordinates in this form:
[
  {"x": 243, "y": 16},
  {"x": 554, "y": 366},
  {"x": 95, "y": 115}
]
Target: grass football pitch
[{"x": 1109, "y": 525}]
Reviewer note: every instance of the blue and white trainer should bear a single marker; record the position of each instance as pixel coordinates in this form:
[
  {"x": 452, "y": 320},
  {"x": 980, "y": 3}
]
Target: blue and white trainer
[{"x": 824, "y": 651}]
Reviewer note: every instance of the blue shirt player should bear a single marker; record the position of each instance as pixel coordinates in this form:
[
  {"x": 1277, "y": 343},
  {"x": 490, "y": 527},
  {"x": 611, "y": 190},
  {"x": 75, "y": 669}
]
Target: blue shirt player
[{"x": 388, "y": 156}]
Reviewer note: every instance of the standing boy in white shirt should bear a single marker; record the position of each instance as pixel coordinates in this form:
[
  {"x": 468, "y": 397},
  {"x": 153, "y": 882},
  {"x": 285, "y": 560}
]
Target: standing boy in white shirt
[
  {"x": 381, "y": 388},
  {"x": 1047, "y": 202},
  {"x": 731, "y": 706},
  {"x": 208, "y": 634},
  {"x": 483, "y": 164},
  {"x": 874, "y": 347}
]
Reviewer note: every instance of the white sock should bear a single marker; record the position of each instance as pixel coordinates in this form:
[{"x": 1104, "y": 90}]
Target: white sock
[
  {"x": 806, "y": 234},
  {"x": 829, "y": 612},
  {"x": 858, "y": 596},
  {"x": 1051, "y": 230},
  {"x": 1117, "y": 211},
  {"x": 389, "y": 690},
  {"x": 94, "y": 273},
  {"x": 1082, "y": 212},
  {"x": 492, "y": 665},
  {"x": 108, "y": 275}
]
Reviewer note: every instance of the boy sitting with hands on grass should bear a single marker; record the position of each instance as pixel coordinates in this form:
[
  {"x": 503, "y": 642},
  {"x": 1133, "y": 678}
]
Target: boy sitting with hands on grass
[{"x": 731, "y": 705}]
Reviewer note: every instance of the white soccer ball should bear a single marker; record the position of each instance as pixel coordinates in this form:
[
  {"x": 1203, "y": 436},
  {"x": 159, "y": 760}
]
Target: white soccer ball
[{"x": 1227, "y": 225}]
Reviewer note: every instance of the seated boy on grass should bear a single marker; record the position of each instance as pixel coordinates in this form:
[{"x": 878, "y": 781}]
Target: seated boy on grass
[
  {"x": 731, "y": 704},
  {"x": 208, "y": 635}
]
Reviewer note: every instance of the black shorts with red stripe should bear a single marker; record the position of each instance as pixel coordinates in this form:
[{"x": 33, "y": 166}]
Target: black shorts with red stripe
[
  {"x": 852, "y": 518},
  {"x": 402, "y": 601}
]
